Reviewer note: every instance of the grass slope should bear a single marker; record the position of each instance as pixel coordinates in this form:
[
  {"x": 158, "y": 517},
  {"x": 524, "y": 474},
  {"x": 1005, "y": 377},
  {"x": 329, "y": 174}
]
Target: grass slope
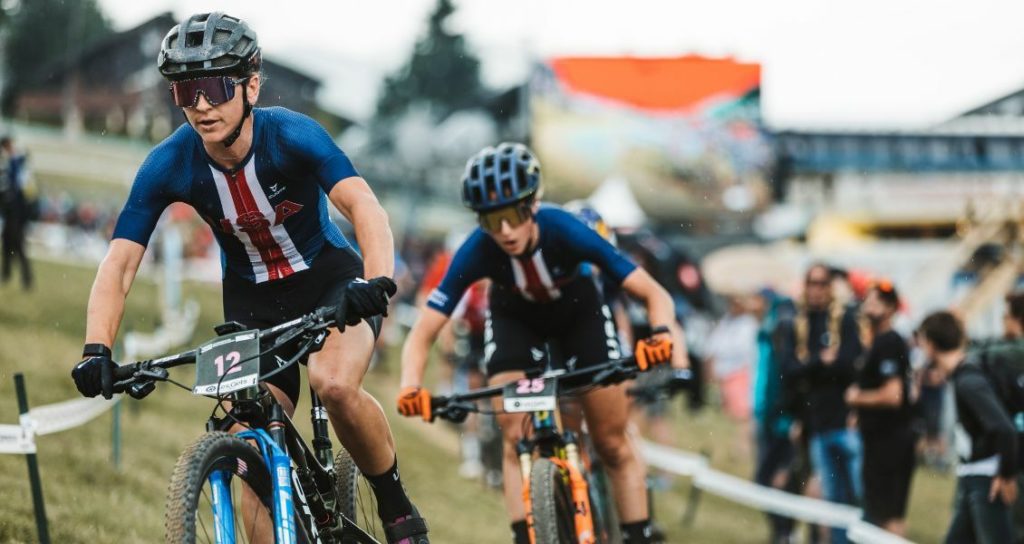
[{"x": 88, "y": 500}]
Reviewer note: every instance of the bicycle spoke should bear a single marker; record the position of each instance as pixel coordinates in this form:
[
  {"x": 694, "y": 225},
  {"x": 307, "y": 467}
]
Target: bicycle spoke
[{"x": 200, "y": 517}]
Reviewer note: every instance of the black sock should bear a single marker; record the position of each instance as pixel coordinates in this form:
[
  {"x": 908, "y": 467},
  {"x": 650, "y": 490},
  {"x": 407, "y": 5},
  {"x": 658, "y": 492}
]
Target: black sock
[
  {"x": 520, "y": 532},
  {"x": 392, "y": 502},
  {"x": 637, "y": 532}
]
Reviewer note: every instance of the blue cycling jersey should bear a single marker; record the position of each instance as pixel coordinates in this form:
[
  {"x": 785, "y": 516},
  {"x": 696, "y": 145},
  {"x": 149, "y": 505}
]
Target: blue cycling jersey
[
  {"x": 269, "y": 215},
  {"x": 564, "y": 244}
]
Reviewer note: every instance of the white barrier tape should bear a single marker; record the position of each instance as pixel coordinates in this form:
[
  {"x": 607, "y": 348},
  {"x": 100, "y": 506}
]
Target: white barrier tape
[
  {"x": 16, "y": 439},
  {"x": 672, "y": 460},
  {"x": 65, "y": 415},
  {"x": 764, "y": 498},
  {"x": 51, "y": 418},
  {"x": 775, "y": 501}
]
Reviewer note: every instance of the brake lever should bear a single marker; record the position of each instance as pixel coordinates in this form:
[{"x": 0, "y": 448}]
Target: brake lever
[{"x": 156, "y": 374}]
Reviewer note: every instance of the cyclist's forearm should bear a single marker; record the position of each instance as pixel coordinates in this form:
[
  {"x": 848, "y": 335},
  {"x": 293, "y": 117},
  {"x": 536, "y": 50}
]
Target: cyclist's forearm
[
  {"x": 375, "y": 238},
  {"x": 416, "y": 350},
  {"x": 661, "y": 311},
  {"x": 106, "y": 303}
]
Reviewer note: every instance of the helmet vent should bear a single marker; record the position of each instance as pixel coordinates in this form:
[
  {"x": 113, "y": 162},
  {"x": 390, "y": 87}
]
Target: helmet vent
[{"x": 193, "y": 39}]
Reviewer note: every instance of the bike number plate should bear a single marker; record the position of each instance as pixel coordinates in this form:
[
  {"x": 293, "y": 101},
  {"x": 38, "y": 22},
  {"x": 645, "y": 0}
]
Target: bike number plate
[
  {"x": 231, "y": 361},
  {"x": 530, "y": 395}
]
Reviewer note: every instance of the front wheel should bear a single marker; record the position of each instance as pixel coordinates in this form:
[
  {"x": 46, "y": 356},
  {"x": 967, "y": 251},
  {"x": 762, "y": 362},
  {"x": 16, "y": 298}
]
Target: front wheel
[
  {"x": 204, "y": 500},
  {"x": 355, "y": 498},
  {"x": 554, "y": 519}
]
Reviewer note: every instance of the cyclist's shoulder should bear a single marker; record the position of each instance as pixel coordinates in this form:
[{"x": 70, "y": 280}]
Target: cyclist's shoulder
[
  {"x": 168, "y": 160},
  {"x": 477, "y": 247},
  {"x": 288, "y": 124},
  {"x": 553, "y": 213},
  {"x": 288, "y": 133}
]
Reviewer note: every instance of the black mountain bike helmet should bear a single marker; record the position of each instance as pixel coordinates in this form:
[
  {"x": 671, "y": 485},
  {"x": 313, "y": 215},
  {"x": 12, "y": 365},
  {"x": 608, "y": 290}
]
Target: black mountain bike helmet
[{"x": 211, "y": 44}]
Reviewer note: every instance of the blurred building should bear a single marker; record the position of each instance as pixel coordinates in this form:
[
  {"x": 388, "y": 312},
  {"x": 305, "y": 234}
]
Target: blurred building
[
  {"x": 914, "y": 183},
  {"x": 113, "y": 87}
]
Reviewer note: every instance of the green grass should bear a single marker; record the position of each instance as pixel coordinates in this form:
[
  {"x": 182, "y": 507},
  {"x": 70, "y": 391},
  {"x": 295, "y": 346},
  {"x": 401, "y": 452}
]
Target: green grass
[{"x": 88, "y": 500}]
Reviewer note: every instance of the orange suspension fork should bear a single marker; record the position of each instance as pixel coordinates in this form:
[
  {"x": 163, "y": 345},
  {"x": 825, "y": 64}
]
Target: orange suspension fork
[
  {"x": 525, "y": 466},
  {"x": 580, "y": 496}
]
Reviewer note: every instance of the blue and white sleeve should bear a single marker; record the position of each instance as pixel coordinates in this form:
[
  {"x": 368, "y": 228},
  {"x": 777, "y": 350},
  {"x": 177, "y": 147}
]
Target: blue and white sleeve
[
  {"x": 592, "y": 247},
  {"x": 466, "y": 268},
  {"x": 308, "y": 139},
  {"x": 154, "y": 188}
]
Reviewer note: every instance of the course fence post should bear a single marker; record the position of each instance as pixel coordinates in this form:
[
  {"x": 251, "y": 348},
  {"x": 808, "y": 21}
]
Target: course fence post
[{"x": 33, "y": 466}]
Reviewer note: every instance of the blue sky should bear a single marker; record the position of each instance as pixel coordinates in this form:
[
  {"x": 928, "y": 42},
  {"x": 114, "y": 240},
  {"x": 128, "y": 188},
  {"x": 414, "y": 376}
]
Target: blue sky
[{"x": 871, "y": 63}]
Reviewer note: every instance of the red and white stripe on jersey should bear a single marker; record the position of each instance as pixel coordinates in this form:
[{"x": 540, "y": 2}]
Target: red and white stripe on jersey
[
  {"x": 254, "y": 221},
  {"x": 533, "y": 278}
]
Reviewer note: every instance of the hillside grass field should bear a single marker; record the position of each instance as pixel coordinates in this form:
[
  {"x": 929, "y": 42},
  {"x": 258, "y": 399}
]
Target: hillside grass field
[{"x": 88, "y": 500}]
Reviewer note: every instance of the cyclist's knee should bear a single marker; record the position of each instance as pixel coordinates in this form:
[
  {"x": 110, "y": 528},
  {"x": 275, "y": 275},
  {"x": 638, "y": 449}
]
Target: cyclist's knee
[
  {"x": 615, "y": 450},
  {"x": 335, "y": 393},
  {"x": 511, "y": 429}
]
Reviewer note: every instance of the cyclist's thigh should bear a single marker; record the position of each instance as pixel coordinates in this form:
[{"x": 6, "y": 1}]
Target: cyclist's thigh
[
  {"x": 344, "y": 358},
  {"x": 511, "y": 424},
  {"x": 512, "y": 346},
  {"x": 590, "y": 336},
  {"x": 285, "y": 383},
  {"x": 607, "y": 411}
]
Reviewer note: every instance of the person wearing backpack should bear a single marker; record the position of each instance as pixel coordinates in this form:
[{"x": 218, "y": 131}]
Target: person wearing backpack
[
  {"x": 881, "y": 396},
  {"x": 985, "y": 438}
]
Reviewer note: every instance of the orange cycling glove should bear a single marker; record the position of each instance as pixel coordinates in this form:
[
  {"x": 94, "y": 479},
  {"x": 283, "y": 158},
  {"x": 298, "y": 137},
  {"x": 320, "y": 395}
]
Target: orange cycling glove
[
  {"x": 653, "y": 351},
  {"x": 414, "y": 401}
]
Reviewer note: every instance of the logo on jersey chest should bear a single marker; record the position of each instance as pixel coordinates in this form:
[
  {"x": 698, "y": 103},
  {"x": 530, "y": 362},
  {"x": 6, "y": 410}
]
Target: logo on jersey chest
[{"x": 255, "y": 220}]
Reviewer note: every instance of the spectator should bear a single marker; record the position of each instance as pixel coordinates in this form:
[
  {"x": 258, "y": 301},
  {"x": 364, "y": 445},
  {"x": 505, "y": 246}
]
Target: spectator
[
  {"x": 986, "y": 477},
  {"x": 731, "y": 350},
  {"x": 816, "y": 351},
  {"x": 771, "y": 422},
  {"x": 1013, "y": 317},
  {"x": 882, "y": 400},
  {"x": 14, "y": 206},
  {"x": 1010, "y": 353}
]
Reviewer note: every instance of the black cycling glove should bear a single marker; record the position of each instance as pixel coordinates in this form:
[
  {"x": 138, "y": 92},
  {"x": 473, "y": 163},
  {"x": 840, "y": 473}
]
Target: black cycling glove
[
  {"x": 95, "y": 374},
  {"x": 362, "y": 299}
]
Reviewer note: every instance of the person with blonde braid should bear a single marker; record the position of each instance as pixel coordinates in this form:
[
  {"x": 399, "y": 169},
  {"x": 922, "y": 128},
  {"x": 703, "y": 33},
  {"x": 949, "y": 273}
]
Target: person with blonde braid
[{"x": 817, "y": 350}]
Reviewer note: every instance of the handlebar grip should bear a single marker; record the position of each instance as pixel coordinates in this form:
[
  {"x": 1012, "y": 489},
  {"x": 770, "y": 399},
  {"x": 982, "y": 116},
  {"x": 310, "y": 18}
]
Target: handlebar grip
[{"x": 125, "y": 372}]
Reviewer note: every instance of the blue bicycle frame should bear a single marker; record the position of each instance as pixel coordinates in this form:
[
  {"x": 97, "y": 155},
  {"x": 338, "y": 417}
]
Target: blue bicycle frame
[{"x": 280, "y": 467}]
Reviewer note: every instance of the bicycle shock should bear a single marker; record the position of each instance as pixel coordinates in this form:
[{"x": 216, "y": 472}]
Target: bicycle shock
[{"x": 321, "y": 432}]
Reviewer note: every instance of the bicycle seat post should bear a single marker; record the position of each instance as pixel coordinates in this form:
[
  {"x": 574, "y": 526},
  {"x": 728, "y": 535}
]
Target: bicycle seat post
[{"x": 321, "y": 433}]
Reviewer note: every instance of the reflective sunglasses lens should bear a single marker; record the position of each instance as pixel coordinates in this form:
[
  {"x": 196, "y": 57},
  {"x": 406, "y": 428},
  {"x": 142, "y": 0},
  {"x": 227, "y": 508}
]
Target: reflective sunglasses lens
[
  {"x": 491, "y": 221},
  {"x": 217, "y": 90}
]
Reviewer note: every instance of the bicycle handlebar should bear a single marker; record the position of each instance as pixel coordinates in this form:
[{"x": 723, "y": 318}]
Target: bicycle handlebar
[
  {"x": 144, "y": 373},
  {"x": 457, "y": 407}
]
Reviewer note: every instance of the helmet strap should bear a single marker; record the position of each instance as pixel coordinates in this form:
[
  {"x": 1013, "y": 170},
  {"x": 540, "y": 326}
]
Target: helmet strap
[{"x": 246, "y": 110}]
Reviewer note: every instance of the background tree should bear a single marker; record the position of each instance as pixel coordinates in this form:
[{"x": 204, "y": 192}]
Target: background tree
[
  {"x": 42, "y": 33},
  {"x": 442, "y": 73}
]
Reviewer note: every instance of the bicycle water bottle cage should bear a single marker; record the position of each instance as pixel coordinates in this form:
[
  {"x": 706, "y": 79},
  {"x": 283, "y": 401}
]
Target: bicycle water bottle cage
[{"x": 228, "y": 328}]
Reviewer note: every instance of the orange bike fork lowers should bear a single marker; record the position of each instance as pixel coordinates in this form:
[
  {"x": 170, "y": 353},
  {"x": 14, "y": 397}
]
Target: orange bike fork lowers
[{"x": 583, "y": 516}]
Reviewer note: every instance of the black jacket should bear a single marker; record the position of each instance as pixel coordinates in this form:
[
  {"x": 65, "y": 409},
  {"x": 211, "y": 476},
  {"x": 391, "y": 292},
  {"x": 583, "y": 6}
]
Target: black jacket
[
  {"x": 815, "y": 390},
  {"x": 984, "y": 420}
]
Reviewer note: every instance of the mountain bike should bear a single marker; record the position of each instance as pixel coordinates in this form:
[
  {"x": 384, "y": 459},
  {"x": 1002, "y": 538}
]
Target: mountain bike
[
  {"x": 304, "y": 494},
  {"x": 556, "y": 479}
]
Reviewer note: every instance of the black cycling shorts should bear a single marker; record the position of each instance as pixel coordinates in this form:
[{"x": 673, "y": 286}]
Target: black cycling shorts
[
  {"x": 577, "y": 327},
  {"x": 888, "y": 467},
  {"x": 263, "y": 305}
]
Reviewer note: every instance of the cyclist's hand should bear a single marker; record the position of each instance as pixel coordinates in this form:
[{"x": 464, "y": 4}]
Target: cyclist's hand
[
  {"x": 414, "y": 401},
  {"x": 95, "y": 375},
  {"x": 655, "y": 350},
  {"x": 362, "y": 298}
]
